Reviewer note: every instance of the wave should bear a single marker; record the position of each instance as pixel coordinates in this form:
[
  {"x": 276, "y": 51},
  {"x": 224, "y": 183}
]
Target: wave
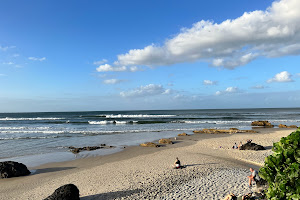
[
  {"x": 24, "y": 128},
  {"x": 28, "y": 119},
  {"x": 211, "y": 122},
  {"x": 111, "y": 122},
  {"x": 26, "y": 138},
  {"x": 138, "y": 116}
]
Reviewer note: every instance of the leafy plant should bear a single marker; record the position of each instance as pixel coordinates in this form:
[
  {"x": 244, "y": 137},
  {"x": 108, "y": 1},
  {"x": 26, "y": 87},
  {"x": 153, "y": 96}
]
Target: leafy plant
[{"x": 282, "y": 169}]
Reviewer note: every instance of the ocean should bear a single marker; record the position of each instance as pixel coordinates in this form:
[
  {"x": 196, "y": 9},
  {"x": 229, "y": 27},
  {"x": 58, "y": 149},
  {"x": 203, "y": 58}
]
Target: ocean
[{"x": 43, "y": 137}]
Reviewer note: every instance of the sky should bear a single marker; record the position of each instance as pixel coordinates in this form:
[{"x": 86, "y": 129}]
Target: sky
[{"x": 98, "y": 55}]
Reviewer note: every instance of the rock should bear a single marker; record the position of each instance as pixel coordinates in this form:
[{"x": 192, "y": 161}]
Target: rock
[
  {"x": 165, "y": 141},
  {"x": 89, "y": 148},
  {"x": 262, "y": 123},
  {"x": 285, "y": 126},
  {"x": 65, "y": 192},
  {"x": 252, "y": 146},
  {"x": 75, "y": 150},
  {"x": 218, "y": 131},
  {"x": 10, "y": 169},
  {"x": 183, "y": 134},
  {"x": 149, "y": 144},
  {"x": 292, "y": 126},
  {"x": 282, "y": 126}
]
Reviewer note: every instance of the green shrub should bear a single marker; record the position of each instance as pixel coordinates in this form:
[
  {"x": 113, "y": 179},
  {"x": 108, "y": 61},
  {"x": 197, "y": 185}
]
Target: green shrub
[{"x": 282, "y": 169}]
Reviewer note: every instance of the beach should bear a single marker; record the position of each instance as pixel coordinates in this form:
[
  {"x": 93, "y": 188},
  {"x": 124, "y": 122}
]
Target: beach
[{"x": 213, "y": 170}]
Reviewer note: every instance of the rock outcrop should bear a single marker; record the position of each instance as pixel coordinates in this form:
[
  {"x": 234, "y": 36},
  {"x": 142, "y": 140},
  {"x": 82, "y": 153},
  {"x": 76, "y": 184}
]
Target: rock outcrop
[
  {"x": 252, "y": 146},
  {"x": 266, "y": 124},
  {"x": 89, "y": 148},
  {"x": 219, "y": 131},
  {"x": 10, "y": 169},
  {"x": 285, "y": 126},
  {"x": 183, "y": 134},
  {"x": 65, "y": 192},
  {"x": 149, "y": 144},
  {"x": 165, "y": 141}
]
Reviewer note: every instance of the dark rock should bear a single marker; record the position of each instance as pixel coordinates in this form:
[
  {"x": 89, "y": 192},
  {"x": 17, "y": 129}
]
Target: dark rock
[
  {"x": 75, "y": 150},
  {"x": 88, "y": 148},
  {"x": 10, "y": 169},
  {"x": 65, "y": 192},
  {"x": 252, "y": 146}
]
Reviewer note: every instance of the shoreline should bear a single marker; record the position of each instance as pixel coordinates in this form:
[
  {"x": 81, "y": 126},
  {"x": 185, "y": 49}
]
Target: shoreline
[{"x": 140, "y": 171}]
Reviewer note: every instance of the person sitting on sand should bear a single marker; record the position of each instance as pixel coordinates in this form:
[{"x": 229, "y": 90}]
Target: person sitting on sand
[
  {"x": 177, "y": 163},
  {"x": 234, "y": 146},
  {"x": 253, "y": 177}
]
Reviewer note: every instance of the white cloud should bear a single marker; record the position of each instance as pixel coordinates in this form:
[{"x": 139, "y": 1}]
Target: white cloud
[
  {"x": 228, "y": 91},
  {"x": 148, "y": 90},
  {"x": 99, "y": 62},
  {"x": 112, "y": 81},
  {"x": 281, "y": 77},
  {"x": 258, "y": 87},
  {"x": 209, "y": 82},
  {"x": 274, "y": 32},
  {"x": 37, "y": 59},
  {"x": 8, "y": 63},
  {"x": 5, "y": 48},
  {"x": 109, "y": 68}
]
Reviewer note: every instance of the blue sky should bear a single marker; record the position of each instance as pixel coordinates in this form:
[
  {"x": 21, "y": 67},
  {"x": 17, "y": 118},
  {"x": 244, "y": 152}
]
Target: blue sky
[{"x": 134, "y": 55}]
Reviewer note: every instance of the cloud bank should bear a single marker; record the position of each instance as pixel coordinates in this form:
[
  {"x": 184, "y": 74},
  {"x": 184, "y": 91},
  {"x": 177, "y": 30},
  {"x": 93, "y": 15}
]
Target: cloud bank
[{"x": 274, "y": 32}]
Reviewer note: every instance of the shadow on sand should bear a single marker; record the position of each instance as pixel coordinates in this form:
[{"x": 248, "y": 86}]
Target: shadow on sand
[
  {"x": 268, "y": 147},
  {"x": 190, "y": 165},
  {"x": 111, "y": 195},
  {"x": 49, "y": 170}
]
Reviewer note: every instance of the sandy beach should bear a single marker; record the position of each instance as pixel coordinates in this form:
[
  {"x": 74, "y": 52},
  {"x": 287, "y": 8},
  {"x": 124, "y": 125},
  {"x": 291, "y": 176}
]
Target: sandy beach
[{"x": 213, "y": 169}]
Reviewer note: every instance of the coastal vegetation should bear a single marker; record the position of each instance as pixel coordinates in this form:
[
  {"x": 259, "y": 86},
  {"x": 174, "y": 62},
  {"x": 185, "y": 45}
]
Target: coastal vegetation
[{"x": 282, "y": 169}]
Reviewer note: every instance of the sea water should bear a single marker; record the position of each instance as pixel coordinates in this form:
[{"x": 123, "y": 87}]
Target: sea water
[{"x": 38, "y": 138}]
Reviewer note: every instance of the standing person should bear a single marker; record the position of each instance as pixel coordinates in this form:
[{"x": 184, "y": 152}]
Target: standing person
[
  {"x": 240, "y": 145},
  {"x": 253, "y": 177}
]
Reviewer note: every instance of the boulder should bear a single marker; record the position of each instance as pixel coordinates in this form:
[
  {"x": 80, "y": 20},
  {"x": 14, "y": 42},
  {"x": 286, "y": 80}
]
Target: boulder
[
  {"x": 149, "y": 144},
  {"x": 165, "y": 141},
  {"x": 285, "y": 126},
  {"x": 10, "y": 169},
  {"x": 252, "y": 146},
  {"x": 292, "y": 126},
  {"x": 262, "y": 123},
  {"x": 282, "y": 126},
  {"x": 65, "y": 192},
  {"x": 183, "y": 134}
]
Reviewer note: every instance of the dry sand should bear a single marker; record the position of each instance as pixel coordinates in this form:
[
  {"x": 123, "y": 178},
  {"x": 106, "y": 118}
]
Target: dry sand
[{"x": 212, "y": 170}]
